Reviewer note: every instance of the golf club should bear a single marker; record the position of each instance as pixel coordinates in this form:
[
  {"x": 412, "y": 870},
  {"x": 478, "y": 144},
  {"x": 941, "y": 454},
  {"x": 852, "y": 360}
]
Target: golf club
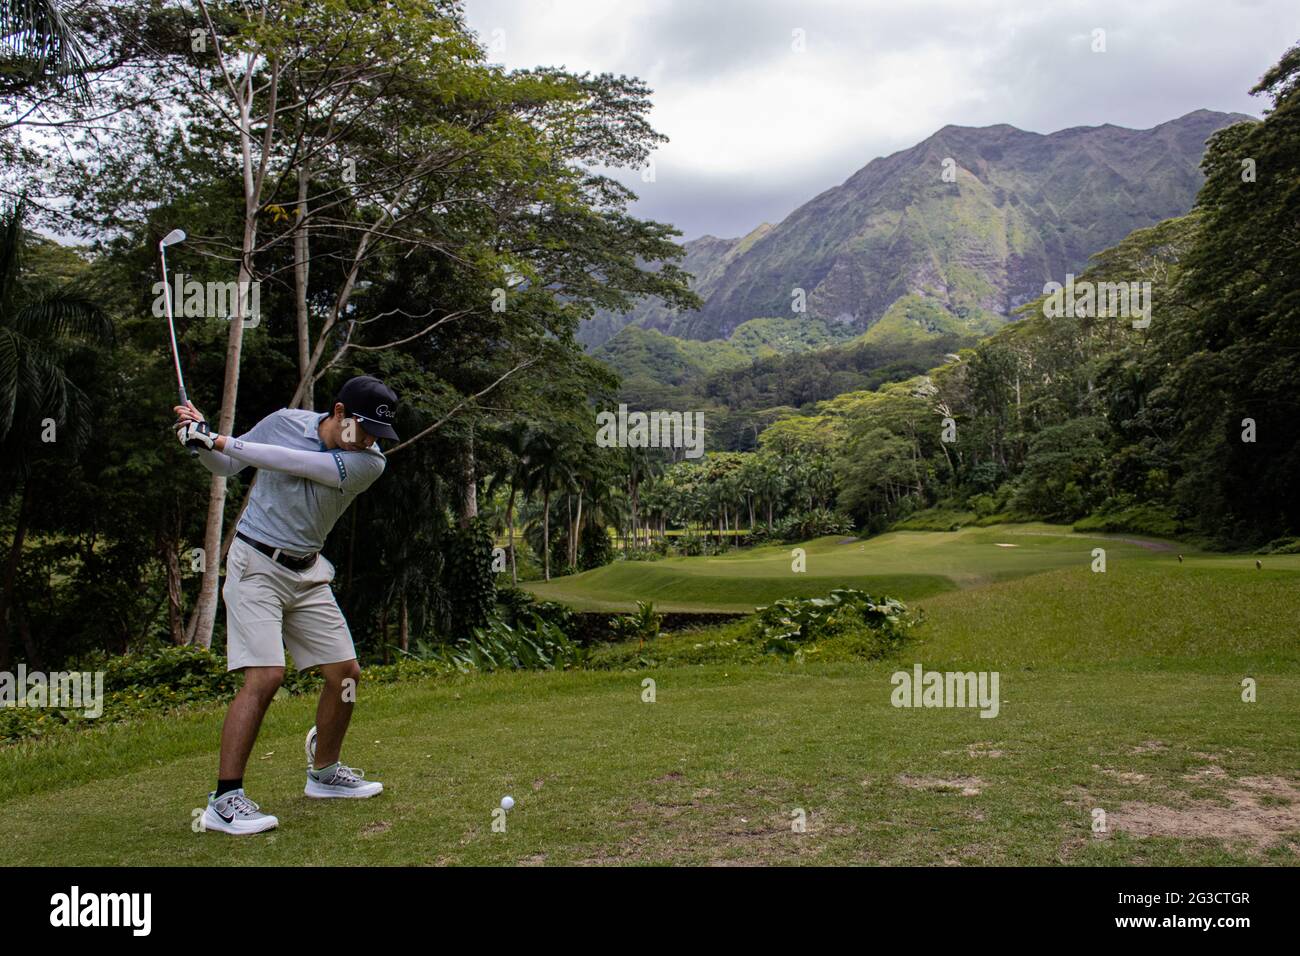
[{"x": 171, "y": 239}]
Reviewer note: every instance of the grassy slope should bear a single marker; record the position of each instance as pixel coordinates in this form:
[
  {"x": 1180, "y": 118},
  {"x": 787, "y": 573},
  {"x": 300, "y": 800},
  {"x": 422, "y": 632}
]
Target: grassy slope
[{"x": 1118, "y": 691}]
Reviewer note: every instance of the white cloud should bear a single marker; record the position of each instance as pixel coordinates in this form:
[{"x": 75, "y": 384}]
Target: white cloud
[{"x": 755, "y": 128}]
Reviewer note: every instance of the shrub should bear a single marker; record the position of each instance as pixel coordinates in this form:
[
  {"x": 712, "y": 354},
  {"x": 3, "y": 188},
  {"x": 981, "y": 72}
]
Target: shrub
[
  {"x": 789, "y": 625},
  {"x": 691, "y": 545},
  {"x": 1156, "y": 520},
  {"x": 802, "y": 525},
  {"x": 539, "y": 646},
  {"x": 641, "y": 554},
  {"x": 643, "y": 625}
]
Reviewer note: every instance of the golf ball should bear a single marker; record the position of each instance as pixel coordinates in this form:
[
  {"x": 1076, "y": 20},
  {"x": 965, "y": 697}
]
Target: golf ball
[{"x": 507, "y": 803}]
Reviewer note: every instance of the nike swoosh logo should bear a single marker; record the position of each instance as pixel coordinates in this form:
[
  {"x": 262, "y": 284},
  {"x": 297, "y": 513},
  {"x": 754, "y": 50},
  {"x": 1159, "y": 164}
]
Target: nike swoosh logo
[{"x": 228, "y": 819}]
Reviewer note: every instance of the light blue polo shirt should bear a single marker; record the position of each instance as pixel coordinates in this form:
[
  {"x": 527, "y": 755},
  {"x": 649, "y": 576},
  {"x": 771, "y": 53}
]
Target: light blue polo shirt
[{"x": 294, "y": 513}]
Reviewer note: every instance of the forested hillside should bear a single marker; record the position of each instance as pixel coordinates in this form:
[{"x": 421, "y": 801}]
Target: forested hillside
[{"x": 1183, "y": 425}]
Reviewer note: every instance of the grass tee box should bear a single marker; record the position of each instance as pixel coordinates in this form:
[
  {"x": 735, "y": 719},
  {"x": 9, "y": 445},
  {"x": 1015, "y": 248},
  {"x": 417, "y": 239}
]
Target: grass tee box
[{"x": 1120, "y": 692}]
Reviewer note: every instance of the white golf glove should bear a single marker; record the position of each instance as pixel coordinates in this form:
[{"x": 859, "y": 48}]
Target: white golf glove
[{"x": 196, "y": 435}]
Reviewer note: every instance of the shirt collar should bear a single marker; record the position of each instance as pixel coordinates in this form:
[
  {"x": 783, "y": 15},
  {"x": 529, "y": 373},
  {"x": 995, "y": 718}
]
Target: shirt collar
[{"x": 312, "y": 428}]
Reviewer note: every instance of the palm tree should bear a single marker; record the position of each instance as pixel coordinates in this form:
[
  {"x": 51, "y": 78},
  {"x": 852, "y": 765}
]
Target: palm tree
[
  {"x": 37, "y": 327},
  {"x": 514, "y": 438},
  {"x": 37, "y": 45},
  {"x": 640, "y": 466},
  {"x": 770, "y": 485},
  {"x": 546, "y": 457}
]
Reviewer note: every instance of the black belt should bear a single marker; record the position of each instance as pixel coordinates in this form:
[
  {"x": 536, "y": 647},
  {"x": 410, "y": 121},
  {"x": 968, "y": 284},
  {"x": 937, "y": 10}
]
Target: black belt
[{"x": 275, "y": 554}]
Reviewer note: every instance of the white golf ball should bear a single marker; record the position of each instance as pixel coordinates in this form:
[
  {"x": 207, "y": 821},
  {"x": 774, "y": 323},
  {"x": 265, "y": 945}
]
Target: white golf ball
[{"x": 507, "y": 802}]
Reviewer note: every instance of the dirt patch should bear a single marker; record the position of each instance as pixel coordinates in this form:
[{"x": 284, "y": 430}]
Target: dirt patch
[
  {"x": 537, "y": 859},
  {"x": 379, "y": 826},
  {"x": 1259, "y": 811},
  {"x": 669, "y": 777},
  {"x": 966, "y": 786},
  {"x": 1149, "y": 747},
  {"x": 1127, "y": 776},
  {"x": 979, "y": 749}
]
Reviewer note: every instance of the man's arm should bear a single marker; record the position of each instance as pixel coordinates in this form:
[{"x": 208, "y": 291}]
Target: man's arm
[
  {"x": 345, "y": 470},
  {"x": 220, "y": 464},
  {"x": 313, "y": 465}
]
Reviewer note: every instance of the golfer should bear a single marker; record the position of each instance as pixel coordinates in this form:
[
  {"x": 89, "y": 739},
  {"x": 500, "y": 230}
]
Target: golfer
[{"x": 277, "y": 592}]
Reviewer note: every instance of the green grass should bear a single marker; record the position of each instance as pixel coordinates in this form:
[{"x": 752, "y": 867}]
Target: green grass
[
  {"x": 1119, "y": 691},
  {"x": 908, "y": 565}
]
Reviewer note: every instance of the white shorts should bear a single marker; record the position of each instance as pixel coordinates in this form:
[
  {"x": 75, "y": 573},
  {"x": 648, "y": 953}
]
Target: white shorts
[{"x": 270, "y": 608}]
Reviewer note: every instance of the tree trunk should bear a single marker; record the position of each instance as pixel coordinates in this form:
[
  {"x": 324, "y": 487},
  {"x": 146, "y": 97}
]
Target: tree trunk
[
  {"x": 205, "y": 609},
  {"x": 11, "y": 575},
  {"x": 34, "y": 658},
  {"x": 468, "y": 485},
  {"x": 577, "y": 531},
  {"x": 510, "y": 531},
  {"x": 170, "y": 545},
  {"x": 546, "y": 532},
  {"x": 301, "y": 274},
  {"x": 404, "y": 629}
]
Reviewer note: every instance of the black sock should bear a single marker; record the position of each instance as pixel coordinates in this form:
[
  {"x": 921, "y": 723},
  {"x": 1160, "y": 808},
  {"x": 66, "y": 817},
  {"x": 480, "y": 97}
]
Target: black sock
[{"x": 225, "y": 786}]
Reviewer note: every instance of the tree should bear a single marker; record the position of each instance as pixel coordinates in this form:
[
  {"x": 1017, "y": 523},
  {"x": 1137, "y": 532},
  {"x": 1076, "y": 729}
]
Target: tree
[{"x": 38, "y": 326}]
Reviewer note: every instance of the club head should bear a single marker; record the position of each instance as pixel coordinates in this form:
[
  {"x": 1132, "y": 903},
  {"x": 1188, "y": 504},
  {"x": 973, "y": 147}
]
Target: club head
[{"x": 173, "y": 237}]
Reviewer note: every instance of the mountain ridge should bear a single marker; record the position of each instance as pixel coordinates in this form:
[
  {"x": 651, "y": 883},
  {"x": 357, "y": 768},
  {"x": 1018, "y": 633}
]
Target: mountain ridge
[{"x": 1024, "y": 208}]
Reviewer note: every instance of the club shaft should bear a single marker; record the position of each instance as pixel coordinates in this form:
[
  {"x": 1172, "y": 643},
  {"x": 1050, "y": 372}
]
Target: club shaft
[{"x": 171, "y": 327}]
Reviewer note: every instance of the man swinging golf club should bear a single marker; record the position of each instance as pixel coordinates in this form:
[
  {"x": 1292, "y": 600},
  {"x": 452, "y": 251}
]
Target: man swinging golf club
[{"x": 277, "y": 592}]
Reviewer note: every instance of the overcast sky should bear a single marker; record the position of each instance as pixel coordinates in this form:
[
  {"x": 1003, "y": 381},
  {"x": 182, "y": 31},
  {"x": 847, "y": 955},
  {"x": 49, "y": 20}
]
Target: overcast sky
[{"x": 757, "y": 127}]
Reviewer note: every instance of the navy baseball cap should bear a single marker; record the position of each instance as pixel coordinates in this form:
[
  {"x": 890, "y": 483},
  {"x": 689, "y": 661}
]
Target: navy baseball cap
[{"x": 372, "y": 403}]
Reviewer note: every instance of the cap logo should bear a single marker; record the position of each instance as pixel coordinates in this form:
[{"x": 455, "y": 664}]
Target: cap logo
[{"x": 383, "y": 411}]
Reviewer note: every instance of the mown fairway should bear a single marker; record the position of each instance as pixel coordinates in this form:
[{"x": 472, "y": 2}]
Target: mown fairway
[
  {"x": 1119, "y": 691},
  {"x": 905, "y": 564}
]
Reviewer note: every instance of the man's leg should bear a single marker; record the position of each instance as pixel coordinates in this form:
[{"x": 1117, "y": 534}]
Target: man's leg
[
  {"x": 334, "y": 710},
  {"x": 244, "y": 718}
]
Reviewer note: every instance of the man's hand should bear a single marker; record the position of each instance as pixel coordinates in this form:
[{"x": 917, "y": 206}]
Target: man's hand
[
  {"x": 191, "y": 429},
  {"x": 196, "y": 435},
  {"x": 187, "y": 413}
]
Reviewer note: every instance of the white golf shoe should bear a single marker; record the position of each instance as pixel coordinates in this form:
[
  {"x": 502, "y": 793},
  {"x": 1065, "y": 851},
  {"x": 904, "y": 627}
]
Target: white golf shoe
[
  {"x": 339, "y": 781},
  {"x": 234, "y": 813}
]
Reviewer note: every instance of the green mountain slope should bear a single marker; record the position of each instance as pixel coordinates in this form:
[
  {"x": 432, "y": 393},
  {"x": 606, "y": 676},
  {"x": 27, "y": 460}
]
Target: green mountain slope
[{"x": 1025, "y": 208}]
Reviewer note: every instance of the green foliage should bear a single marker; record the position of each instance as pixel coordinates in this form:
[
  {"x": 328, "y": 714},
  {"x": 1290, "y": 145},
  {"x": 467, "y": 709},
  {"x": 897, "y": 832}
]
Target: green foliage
[
  {"x": 1058, "y": 480},
  {"x": 789, "y": 625},
  {"x": 1151, "y": 519},
  {"x": 642, "y": 626},
  {"x": 644, "y": 554},
  {"x": 938, "y": 519},
  {"x": 539, "y": 645},
  {"x": 802, "y": 525},
  {"x": 137, "y": 684},
  {"x": 470, "y": 581},
  {"x": 1287, "y": 545}
]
